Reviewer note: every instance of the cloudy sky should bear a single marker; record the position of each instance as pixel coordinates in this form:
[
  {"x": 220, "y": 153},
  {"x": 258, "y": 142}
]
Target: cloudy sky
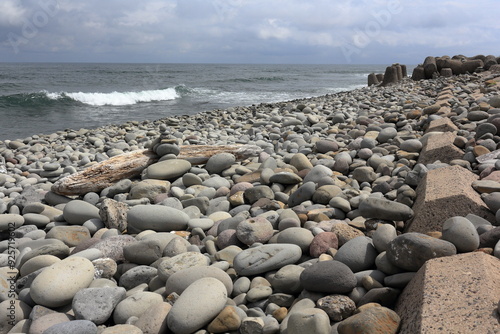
[{"x": 246, "y": 31}]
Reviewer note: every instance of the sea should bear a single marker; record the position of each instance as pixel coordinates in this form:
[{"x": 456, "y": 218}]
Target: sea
[{"x": 43, "y": 98}]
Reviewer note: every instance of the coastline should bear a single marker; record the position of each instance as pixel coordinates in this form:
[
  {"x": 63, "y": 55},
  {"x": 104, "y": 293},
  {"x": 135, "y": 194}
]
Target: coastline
[{"x": 329, "y": 169}]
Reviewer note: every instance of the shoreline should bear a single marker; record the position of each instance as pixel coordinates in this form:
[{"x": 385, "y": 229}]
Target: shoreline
[{"x": 335, "y": 187}]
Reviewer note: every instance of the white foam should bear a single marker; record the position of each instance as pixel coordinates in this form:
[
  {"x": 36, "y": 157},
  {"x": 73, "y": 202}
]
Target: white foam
[{"x": 119, "y": 98}]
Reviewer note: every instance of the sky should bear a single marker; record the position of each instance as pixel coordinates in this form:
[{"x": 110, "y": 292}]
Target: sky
[{"x": 246, "y": 31}]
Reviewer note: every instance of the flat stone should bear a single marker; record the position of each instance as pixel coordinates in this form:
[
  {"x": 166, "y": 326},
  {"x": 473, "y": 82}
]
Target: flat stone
[
  {"x": 143, "y": 252},
  {"x": 187, "y": 317},
  {"x": 261, "y": 259},
  {"x": 285, "y": 178},
  {"x": 444, "y": 193},
  {"x": 70, "y": 235},
  {"x": 97, "y": 304},
  {"x": 440, "y": 147},
  {"x": 158, "y": 218},
  {"x": 410, "y": 251},
  {"x": 168, "y": 169},
  {"x": 77, "y": 212},
  {"x": 218, "y": 162},
  {"x": 371, "y": 320},
  {"x": 381, "y": 208},
  {"x": 458, "y": 294},
  {"x": 486, "y": 186},
  {"x": 303, "y": 193},
  {"x": 297, "y": 236},
  {"x": 38, "y": 262},
  {"x": 179, "y": 281},
  {"x": 332, "y": 277},
  {"x": 345, "y": 232},
  {"x": 57, "y": 285}
]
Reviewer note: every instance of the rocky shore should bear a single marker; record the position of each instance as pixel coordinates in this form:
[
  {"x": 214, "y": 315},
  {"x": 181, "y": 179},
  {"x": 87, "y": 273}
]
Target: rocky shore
[{"x": 369, "y": 211}]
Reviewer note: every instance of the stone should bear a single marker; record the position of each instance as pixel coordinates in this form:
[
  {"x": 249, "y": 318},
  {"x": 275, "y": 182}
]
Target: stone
[
  {"x": 112, "y": 247},
  {"x": 297, "y": 236},
  {"x": 373, "y": 320},
  {"x": 384, "y": 296},
  {"x": 143, "y": 252},
  {"x": 345, "y": 232},
  {"x": 187, "y": 317},
  {"x": 154, "y": 319},
  {"x": 10, "y": 221},
  {"x": 12, "y": 312},
  {"x": 322, "y": 242},
  {"x": 135, "y": 305},
  {"x": 381, "y": 208},
  {"x": 285, "y": 178},
  {"x": 338, "y": 307},
  {"x": 255, "y": 229},
  {"x": 74, "y": 327},
  {"x": 444, "y": 193},
  {"x": 37, "y": 262},
  {"x": 261, "y": 259},
  {"x": 300, "y": 161},
  {"x": 122, "y": 329},
  {"x": 311, "y": 321},
  {"x": 364, "y": 174},
  {"x": 219, "y": 162},
  {"x": 70, "y": 235},
  {"x": 41, "y": 324},
  {"x": 253, "y": 194},
  {"x": 157, "y": 218},
  {"x": 324, "y": 194},
  {"x": 149, "y": 188},
  {"x": 169, "y": 266},
  {"x": 317, "y": 173},
  {"x": 168, "y": 169},
  {"x": 445, "y": 292},
  {"x": 179, "y": 281},
  {"x": 410, "y": 251},
  {"x": 462, "y": 233},
  {"x": 384, "y": 234},
  {"x": 77, "y": 212},
  {"x": 331, "y": 277},
  {"x": 287, "y": 279},
  {"x": 137, "y": 276},
  {"x": 97, "y": 304},
  {"x": 57, "y": 285},
  {"x": 303, "y": 193},
  {"x": 358, "y": 254},
  {"x": 227, "y": 320}
]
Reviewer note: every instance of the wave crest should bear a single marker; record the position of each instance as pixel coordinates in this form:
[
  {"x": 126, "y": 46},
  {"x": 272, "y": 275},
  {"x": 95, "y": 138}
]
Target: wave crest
[{"x": 118, "y": 98}]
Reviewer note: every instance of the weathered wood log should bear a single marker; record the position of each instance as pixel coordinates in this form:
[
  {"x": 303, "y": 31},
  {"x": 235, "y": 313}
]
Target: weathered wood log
[{"x": 128, "y": 165}]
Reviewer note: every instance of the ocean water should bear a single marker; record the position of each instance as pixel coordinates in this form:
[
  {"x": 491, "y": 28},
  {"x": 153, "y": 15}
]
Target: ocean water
[{"x": 42, "y": 98}]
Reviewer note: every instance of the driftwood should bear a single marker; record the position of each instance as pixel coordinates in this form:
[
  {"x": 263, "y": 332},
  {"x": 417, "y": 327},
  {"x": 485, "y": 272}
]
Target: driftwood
[{"x": 128, "y": 165}]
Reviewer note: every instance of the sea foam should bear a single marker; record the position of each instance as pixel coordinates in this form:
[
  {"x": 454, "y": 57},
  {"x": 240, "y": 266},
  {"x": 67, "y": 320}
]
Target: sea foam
[{"x": 119, "y": 98}]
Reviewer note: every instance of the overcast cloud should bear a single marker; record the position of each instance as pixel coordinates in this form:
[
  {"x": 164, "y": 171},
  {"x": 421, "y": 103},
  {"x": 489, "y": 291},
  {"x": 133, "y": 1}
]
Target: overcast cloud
[{"x": 246, "y": 31}]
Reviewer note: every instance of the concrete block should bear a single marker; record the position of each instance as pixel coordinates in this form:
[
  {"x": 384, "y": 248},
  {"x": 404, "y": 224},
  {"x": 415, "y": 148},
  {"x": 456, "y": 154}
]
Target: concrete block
[
  {"x": 442, "y": 125},
  {"x": 440, "y": 147},
  {"x": 455, "y": 294},
  {"x": 444, "y": 193}
]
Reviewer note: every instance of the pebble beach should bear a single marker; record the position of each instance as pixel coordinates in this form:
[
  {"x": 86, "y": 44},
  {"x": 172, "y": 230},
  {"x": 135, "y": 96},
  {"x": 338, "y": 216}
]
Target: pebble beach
[{"x": 317, "y": 230}]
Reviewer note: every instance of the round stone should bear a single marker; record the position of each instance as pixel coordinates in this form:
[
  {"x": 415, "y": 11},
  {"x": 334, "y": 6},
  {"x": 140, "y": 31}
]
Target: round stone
[
  {"x": 328, "y": 277},
  {"x": 56, "y": 285},
  {"x": 255, "y": 229},
  {"x": 10, "y": 221},
  {"x": 358, "y": 254},
  {"x": 158, "y": 218},
  {"x": 411, "y": 145},
  {"x": 77, "y": 212},
  {"x": 169, "y": 266},
  {"x": 297, "y": 236},
  {"x": 180, "y": 280},
  {"x": 219, "y": 162},
  {"x": 410, "y": 251},
  {"x": 187, "y": 317},
  {"x": 97, "y": 304},
  {"x": 462, "y": 233},
  {"x": 384, "y": 234},
  {"x": 168, "y": 169},
  {"x": 135, "y": 305}
]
